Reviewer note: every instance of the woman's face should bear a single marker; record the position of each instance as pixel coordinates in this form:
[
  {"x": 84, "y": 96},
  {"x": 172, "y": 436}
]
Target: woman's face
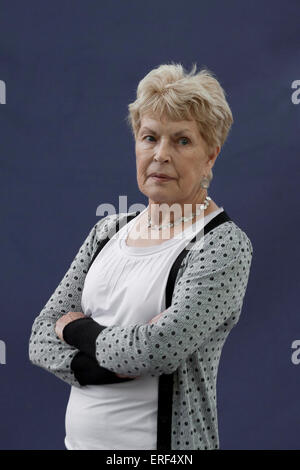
[{"x": 177, "y": 149}]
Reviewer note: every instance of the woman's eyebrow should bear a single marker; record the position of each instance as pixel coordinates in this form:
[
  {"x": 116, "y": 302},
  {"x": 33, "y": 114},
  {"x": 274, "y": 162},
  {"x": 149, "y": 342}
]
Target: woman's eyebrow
[{"x": 175, "y": 133}]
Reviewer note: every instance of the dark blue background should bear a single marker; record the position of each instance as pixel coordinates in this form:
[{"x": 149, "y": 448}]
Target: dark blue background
[{"x": 71, "y": 68}]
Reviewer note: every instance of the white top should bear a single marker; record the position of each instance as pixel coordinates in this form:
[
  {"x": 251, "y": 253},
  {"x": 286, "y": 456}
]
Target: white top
[{"x": 124, "y": 286}]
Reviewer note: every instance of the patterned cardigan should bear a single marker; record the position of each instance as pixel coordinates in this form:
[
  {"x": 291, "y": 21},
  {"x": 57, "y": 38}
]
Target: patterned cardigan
[{"x": 186, "y": 341}]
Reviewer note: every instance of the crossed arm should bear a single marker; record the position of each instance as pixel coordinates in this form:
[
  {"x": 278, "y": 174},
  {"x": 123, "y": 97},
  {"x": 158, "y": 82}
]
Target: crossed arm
[
  {"x": 207, "y": 299},
  {"x": 49, "y": 350},
  {"x": 85, "y": 367}
]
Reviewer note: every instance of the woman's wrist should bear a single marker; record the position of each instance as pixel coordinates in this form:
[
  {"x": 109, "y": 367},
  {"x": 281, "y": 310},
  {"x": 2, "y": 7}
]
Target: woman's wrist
[
  {"x": 82, "y": 334},
  {"x": 88, "y": 372}
]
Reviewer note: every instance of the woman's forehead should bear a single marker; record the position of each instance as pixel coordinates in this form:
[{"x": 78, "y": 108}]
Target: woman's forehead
[{"x": 156, "y": 123}]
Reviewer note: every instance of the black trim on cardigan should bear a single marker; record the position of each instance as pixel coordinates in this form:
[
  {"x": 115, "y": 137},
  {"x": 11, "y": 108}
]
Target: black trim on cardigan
[{"x": 165, "y": 385}]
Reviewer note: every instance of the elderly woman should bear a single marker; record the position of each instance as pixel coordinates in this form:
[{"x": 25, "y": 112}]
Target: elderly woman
[{"x": 138, "y": 322}]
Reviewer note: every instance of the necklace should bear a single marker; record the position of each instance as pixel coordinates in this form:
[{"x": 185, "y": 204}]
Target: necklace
[{"x": 203, "y": 206}]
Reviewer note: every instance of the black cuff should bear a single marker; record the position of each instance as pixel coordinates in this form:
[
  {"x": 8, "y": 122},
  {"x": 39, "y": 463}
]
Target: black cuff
[
  {"x": 82, "y": 334},
  {"x": 88, "y": 372}
]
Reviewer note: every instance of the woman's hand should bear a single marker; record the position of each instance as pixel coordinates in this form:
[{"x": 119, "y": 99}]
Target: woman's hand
[
  {"x": 153, "y": 320},
  {"x": 64, "y": 320}
]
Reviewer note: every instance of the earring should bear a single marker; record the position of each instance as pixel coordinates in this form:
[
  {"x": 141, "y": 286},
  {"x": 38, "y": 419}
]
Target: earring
[{"x": 205, "y": 182}]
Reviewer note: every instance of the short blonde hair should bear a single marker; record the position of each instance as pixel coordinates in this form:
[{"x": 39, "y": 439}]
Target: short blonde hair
[{"x": 169, "y": 90}]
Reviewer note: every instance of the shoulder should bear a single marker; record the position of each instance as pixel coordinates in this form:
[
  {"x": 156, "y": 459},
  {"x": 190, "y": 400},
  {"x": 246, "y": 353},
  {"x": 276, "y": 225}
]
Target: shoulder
[
  {"x": 229, "y": 233},
  {"x": 226, "y": 244},
  {"x": 107, "y": 225}
]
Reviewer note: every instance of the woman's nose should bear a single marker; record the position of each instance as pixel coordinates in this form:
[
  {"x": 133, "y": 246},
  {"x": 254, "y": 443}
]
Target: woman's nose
[{"x": 163, "y": 151}]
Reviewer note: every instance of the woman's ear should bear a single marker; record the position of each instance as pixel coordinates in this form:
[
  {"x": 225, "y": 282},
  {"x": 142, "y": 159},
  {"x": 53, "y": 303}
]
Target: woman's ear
[{"x": 213, "y": 155}]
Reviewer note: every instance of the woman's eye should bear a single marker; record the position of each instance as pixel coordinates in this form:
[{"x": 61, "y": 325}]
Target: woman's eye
[
  {"x": 181, "y": 138},
  {"x": 184, "y": 138}
]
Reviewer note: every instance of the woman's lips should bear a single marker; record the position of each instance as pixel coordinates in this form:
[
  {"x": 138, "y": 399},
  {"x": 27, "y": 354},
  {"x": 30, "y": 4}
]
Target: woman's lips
[{"x": 161, "y": 178}]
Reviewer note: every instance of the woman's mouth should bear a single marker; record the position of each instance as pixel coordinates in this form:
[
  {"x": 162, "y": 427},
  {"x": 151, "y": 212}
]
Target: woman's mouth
[{"x": 161, "y": 178}]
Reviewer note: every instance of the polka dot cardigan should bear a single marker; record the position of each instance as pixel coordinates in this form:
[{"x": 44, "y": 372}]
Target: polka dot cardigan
[{"x": 183, "y": 347}]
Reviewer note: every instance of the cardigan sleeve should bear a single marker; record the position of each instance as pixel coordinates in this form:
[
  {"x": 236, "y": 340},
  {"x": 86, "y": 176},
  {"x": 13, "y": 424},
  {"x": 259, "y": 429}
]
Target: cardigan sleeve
[
  {"x": 46, "y": 350},
  {"x": 88, "y": 372},
  {"x": 207, "y": 299}
]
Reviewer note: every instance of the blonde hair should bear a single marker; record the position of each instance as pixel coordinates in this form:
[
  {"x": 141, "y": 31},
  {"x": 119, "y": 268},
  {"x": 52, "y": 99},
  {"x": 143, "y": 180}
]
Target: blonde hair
[{"x": 169, "y": 90}]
